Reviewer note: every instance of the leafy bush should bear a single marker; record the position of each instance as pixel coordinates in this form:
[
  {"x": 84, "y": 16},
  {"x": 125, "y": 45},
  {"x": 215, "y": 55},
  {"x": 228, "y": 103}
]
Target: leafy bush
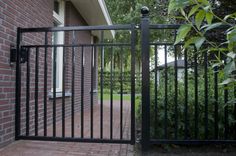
[
  {"x": 200, "y": 21},
  {"x": 171, "y": 116},
  {"x": 117, "y": 82}
]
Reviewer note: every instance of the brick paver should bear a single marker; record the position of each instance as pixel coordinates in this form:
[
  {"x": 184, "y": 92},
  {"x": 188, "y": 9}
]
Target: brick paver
[{"x": 42, "y": 148}]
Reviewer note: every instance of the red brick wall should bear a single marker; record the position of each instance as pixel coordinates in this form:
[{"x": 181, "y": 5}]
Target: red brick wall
[
  {"x": 13, "y": 14},
  {"x": 37, "y": 13}
]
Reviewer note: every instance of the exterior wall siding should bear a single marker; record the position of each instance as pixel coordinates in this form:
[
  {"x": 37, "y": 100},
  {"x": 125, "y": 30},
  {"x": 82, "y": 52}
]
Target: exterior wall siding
[
  {"x": 13, "y": 14},
  {"x": 38, "y": 13}
]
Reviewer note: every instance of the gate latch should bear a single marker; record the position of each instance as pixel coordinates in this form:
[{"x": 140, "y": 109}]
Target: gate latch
[{"x": 24, "y": 54}]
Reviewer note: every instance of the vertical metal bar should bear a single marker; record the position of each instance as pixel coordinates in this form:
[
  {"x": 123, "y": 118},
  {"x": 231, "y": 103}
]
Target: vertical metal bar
[
  {"x": 133, "y": 41},
  {"x": 234, "y": 111},
  {"x": 226, "y": 111},
  {"x": 36, "y": 91},
  {"x": 18, "y": 85},
  {"x": 121, "y": 92},
  {"x": 91, "y": 92},
  {"x": 166, "y": 95},
  {"x": 206, "y": 94},
  {"x": 45, "y": 83},
  {"x": 111, "y": 95},
  {"x": 186, "y": 94},
  {"x": 28, "y": 94},
  {"x": 196, "y": 94},
  {"x": 176, "y": 93},
  {"x": 73, "y": 85},
  {"x": 54, "y": 89},
  {"x": 63, "y": 93},
  {"x": 82, "y": 91},
  {"x": 101, "y": 86},
  {"x": 216, "y": 101},
  {"x": 145, "y": 82},
  {"x": 155, "y": 93}
]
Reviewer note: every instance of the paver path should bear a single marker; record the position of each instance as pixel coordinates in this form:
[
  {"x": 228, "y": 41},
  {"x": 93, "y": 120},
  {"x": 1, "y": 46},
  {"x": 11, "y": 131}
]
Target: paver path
[{"x": 42, "y": 148}]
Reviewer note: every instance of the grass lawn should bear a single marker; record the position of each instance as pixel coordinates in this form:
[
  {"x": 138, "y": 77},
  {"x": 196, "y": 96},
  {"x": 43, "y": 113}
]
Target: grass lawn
[
  {"x": 126, "y": 97},
  {"x": 115, "y": 96}
]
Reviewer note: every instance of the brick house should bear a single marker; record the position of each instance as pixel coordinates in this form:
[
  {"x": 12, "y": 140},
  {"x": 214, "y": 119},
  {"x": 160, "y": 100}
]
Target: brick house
[{"x": 47, "y": 13}]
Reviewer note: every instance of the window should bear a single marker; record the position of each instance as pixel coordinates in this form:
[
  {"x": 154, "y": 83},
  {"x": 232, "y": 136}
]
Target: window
[
  {"x": 56, "y": 7},
  {"x": 58, "y": 38}
]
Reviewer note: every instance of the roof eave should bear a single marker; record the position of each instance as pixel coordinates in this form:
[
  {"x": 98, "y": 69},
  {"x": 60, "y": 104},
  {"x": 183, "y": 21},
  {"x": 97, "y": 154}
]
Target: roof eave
[{"x": 95, "y": 13}]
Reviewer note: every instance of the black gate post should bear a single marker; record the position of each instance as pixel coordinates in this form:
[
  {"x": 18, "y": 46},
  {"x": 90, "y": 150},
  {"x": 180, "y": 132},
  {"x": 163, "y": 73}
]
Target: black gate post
[
  {"x": 18, "y": 86},
  {"x": 145, "y": 78}
]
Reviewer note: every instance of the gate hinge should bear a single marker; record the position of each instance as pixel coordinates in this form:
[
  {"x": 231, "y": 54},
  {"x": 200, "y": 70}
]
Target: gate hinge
[{"x": 24, "y": 54}]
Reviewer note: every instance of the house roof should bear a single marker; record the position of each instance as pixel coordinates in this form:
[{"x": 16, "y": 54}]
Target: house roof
[
  {"x": 95, "y": 13},
  {"x": 180, "y": 64}
]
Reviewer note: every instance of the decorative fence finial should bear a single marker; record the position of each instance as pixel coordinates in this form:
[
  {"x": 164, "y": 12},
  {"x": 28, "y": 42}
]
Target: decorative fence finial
[{"x": 145, "y": 11}]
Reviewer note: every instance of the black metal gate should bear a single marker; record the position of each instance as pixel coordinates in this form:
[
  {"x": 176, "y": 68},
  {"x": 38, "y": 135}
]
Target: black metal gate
[{"x": 60, "y": 99}]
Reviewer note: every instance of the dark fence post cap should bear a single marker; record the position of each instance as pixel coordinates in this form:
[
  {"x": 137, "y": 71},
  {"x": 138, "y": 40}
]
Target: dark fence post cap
[{"x": 145, "y": 11}]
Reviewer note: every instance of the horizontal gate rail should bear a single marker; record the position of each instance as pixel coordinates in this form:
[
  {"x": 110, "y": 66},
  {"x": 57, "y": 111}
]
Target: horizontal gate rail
[
  {"x": 78, "y": 45},
  {"x": 192, "y": 142},
  {"x": 75, "y": 139},
  {"x": 78, "y": 28},
  {"x": 176, "y": 26}
]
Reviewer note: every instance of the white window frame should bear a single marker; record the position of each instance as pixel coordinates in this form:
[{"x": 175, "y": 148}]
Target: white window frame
[{"x": 59, "y": 19}]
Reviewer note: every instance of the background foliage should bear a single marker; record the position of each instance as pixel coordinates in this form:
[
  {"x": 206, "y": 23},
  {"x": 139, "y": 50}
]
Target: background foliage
[
  {"x": 200, "y": 20},
  {"x": 171, "y": 103}
]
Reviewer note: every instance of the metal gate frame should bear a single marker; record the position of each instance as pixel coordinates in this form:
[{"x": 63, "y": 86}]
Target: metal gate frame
[{"x": 20, "y": 57}]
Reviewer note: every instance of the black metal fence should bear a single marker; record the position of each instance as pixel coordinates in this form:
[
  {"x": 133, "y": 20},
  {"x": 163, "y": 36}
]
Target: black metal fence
[{"x": 182, "y": 101}]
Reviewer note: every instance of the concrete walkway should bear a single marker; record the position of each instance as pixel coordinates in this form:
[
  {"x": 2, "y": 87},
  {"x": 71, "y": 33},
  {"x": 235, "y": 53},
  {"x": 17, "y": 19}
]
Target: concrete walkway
[{"x": 42, "y": 148}]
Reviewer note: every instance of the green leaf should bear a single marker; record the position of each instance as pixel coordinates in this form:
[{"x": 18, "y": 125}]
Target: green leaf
[
  {"x": 204, "y": 2},
  {"x": 193, "y": 10},
  {"x": 233, "y": 15},
  {"x": 232, "y": 101},
  {"x": 231, "y": 35},
  {"x": 199, "y": 18},
  {"x": 231, "y": 55},
  {"x": 217, "y": 65},
  {"x": 182, "y": 32},
  {"x": 209, "y": 17},
  {"x": 207, "y": 8},
  {"x": 177, "y": 17},
  {"x": 189, "y": 41},
  {"x": 218, "y": 49},
  {"x": 227, "y": 81},
  {"x": 177, "y": 4},
  {"x": 230, "y": 29},
  {"x": 199, "y": 41},
  {"x": 213, "y": 26},
  {"x": 172, "y": 6},
  {"x": 229, "y": 68},
  {"x": 182, "y": 12}
]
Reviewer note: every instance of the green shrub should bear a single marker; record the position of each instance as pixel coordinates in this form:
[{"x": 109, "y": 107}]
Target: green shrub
[
  {"x": 117, "y": 82},
  {"x": 159, "y": 131}
]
